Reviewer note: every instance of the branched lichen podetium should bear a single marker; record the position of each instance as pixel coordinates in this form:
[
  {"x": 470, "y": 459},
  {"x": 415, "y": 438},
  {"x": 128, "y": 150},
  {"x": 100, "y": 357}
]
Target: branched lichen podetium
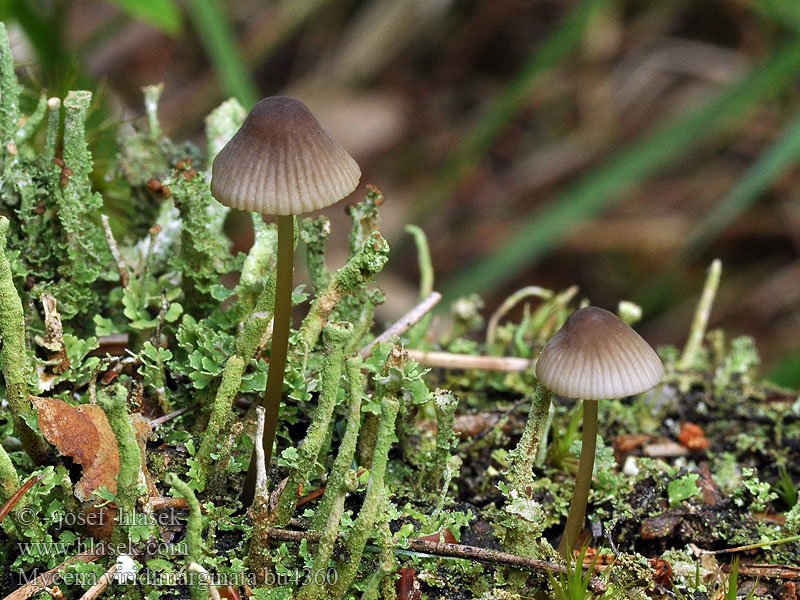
[
  {"x": 16, "y": 365},
  {"x": 113, "y": 401}
]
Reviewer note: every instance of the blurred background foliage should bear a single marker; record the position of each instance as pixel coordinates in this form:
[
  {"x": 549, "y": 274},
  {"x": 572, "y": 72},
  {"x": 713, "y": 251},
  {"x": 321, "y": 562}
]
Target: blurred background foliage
[{"x": 617, "y": 144}]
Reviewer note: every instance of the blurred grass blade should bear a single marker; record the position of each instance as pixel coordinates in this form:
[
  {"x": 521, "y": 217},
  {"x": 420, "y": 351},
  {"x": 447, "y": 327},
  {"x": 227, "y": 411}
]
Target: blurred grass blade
[
  {"x": 781, "y": 155},
  {"x": 213, "y": 26},
  {"x": 163, "y": 14},
  {"x": 603, "y": 185},
  {"x": 782, "y": 12},
  {"x": 774, "y": 161},
  {"x": 551, "y": 52},
  {"x": 786, "y": 372}
]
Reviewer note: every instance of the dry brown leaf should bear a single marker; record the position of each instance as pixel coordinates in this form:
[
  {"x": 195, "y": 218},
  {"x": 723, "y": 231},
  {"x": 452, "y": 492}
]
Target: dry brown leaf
[{"x": 83, "y": 433}]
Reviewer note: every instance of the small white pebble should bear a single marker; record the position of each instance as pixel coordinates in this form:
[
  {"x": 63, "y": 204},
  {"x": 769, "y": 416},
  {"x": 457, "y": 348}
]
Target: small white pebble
[
  {"x": 126, "y": 570},
  {"x": 630, "y": 468}
]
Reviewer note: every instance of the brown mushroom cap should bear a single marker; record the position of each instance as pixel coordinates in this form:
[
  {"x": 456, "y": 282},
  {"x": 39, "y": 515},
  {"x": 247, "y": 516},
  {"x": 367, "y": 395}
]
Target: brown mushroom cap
[
  {"x": 282, "y": 162},
  {"x": 595, "y": 356}
]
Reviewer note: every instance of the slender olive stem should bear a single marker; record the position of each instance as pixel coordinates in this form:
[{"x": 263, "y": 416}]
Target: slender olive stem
[
  {"x": 583, "y": 481},
  {"x": 280, "y": 342}
]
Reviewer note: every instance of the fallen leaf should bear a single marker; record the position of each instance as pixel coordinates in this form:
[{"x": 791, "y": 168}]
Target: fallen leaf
[
  {"x": 446, "y": 536},
  {"x": 692, "y": 436},
  {"x": 407, "y": 585},
  {"x": 81, "y": 432},
  {"x": 662, "y": 571}
]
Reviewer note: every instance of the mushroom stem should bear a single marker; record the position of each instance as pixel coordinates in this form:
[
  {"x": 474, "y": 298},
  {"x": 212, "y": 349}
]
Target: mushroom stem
[
  {"x": 583, "y": 481},
  {"x": 271, "y": 401}
]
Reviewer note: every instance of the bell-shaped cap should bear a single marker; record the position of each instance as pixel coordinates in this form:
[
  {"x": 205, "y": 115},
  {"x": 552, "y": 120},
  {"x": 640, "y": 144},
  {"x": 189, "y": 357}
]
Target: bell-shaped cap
[
  {"x": 282, "y": 162},
  {"x": 595, "y": 356}
]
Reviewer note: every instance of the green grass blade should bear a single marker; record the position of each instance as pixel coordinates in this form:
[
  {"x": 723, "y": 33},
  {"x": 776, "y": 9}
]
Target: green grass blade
[
  {"x": 775, "y": 160},
  {"x": 604, "y": 184},
  {"x": 780, "y": 155},
  {"x": 163, "y": 14},
  {"x": 213, "y": 27}
]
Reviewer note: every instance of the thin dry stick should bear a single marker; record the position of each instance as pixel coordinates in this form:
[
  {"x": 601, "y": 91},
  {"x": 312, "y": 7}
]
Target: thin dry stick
[
  {"x": 483, "y": 555},
  {"x": 701, "y": 315},
  {"x": 122, "y": 268},
  {"x": 35, "y": 586},
  {"x": 261, "y": 470},
  {"x": 405, "y": 322},
  {"x": 114, "y": 345},
  {"x": 770, "y": 571},
  {"x": 99, "y": 587},
  {"x": 172, "y": 415},
  {"x": 449, "y": 360},
  {"x": 786, "y": 540},
  {"x": 9, "y": 504}
]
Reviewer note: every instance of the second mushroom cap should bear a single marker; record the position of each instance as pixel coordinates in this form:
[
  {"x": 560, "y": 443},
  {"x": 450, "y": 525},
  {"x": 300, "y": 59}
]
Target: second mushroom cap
[{"x": 595, "y": 356}]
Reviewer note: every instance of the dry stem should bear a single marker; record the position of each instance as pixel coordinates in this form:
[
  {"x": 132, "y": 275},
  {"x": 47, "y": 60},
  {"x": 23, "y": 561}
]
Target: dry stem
[
  {"x": 449, "y": 360},
  {"x": 483, "y": 555},
  {"x": 405, "y": 322}
]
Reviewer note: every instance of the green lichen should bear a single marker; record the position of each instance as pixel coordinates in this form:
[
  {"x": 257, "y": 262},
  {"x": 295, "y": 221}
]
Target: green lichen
[
  {"x": 17, "y": 367},
  {"x": 330, "y": 533},
  {"x": 373, "y": 500},
  {"x": 336, "y": 336},
  {"x": 314, "y": 234},
  {"x": 220, "y": 417},
  {"x": 194, "y": 530},
  {"x": 204, "y": 255},
  {"x": 347, "y": 447},
  {"x": 260, "y": 262},
  {"x": 87, "y": 255},
  {"x": 523, "y": 457},
  {"x": 9, "y": 100},
  {"x": 113, "y": 401},
  {"x": 221, "y": 124},
  {"x": 9, "y": 479},
  {"x": 445, "y": 404},
  {"x": 366, "y": 262}
]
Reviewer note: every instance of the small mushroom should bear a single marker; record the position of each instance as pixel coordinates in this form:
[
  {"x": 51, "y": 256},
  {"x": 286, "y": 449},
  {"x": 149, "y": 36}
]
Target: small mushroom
[
  {"x": 281, "y": 162},
  {"x": 594, "y": 356}
]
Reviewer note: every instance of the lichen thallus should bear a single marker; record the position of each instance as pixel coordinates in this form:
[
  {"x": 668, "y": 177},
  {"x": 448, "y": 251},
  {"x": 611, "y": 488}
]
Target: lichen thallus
[{"x": 281, "y": 162}]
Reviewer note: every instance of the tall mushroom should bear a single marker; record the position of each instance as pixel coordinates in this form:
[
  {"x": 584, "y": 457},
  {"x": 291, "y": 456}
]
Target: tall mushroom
[
  {"x": 281, "y": 162},
  {"x": 594, "y": 356}
]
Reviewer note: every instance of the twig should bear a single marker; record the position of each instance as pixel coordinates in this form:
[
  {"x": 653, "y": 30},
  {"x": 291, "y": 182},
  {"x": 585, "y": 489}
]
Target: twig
[
  {"x": 449, "y": 360},
  {"x": 770, "y": 571},
  {"x": 9, "y": 504},
  {"x": 114, "y": 345},
  {"x": 483, "y": 555},
  {"x": 100, "y": 585},
  {"x": 261, "y": 469},
  {"x": 164, "y": 503},
  {"x": 405, "y": 322},
  {"x": 703, "y": 311},
  {"x": 787, "y": 540},
  {"x": 122, "y": 268},
  {"x": 172, "y": 415},
  {"x": 35, "y": 586}
]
